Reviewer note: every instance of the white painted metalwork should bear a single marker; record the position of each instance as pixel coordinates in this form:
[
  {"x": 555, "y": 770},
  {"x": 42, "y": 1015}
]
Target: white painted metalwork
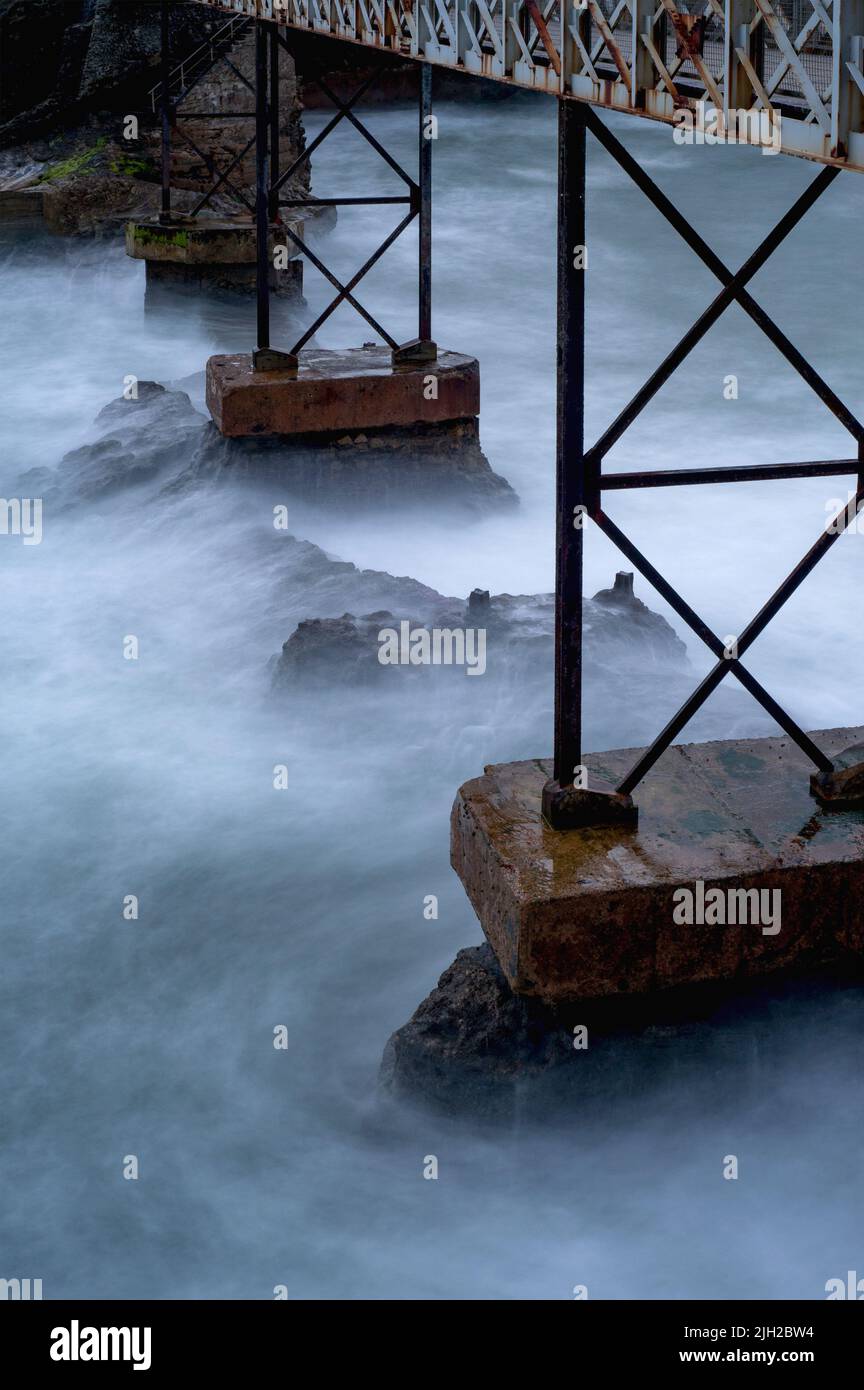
[{"x": 783, "y": 73}]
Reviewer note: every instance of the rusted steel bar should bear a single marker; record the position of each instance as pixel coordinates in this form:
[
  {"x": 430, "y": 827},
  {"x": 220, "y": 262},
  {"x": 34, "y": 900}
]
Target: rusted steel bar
[
  {"x": 275, "y": 133},
  {"x": 424, "y": 288},
  {"x": 572, "y": 484},
  {"x": 712, "y": 641},
  {"x": 262, "y": 181},
  {"x": 745, "y": 473},
  {"x": 339, "y": 202},
  {"x": 546, "y": 38},
  {"x": 165, "y": 104},
  {"x": 833, "y": 530}
]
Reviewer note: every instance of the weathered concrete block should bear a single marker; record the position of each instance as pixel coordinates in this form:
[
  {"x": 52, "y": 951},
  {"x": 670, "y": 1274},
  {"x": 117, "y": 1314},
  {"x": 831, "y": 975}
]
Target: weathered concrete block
[
  {"x": 200, "y": 241},
  {"x": 592, "y": 913},
  {"x": 357, "y": 389},
  {"x": 212, "y": 253},
  {"x": 21, "y": 205}
]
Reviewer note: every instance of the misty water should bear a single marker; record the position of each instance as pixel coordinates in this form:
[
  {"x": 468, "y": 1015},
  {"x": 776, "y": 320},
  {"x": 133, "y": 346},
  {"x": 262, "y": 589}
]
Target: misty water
[{"x": 304, "y": 907}]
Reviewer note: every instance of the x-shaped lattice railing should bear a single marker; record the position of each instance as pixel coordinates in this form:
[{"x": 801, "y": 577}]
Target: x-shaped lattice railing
[{"x": 734, "y": 291}]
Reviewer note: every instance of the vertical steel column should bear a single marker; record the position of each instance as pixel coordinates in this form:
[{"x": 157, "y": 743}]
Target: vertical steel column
[
  {"x": 275, "y": 132},
  {"x": 422, "y": 348},
  {"x": 570, "y": 462},
  {"x": 165, "y": 214},
  {"x": 424, "y": 328},
  {"x": 570, "y": 800},
  {"x": 262, "y": 201},
  {"x": 265, "y": 358}
]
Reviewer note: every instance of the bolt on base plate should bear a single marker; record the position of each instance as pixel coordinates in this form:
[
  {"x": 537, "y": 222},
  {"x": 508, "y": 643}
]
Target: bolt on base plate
[
  {"x": 417, "y": 350},
  {"x": 269, "y": 360},
  {"x": 840, "y": 790},
  {"x": 575, "y": 808}
]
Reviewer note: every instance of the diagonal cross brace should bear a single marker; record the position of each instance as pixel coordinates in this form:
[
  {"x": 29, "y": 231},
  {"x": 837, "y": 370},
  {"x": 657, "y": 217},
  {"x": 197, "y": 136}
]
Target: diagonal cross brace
[
  {"x": 733, "y": 291},
  {"x": 310, "y": 149},
  {"x": 221, "y": 177},
  {"x": 345, "y": 290},
  {"x": 695, "y": 623},
  {"x": 833, "y": 530},
  {"x": 343, "y": 112}
]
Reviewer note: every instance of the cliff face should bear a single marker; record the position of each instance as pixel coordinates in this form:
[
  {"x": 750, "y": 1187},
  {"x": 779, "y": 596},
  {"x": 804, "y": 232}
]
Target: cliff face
[
  {"x": 62, "y": 61},
  {"x": 70, "y": 74}
]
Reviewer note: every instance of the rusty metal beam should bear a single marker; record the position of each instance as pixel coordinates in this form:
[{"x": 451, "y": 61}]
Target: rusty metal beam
[{"x": 626, "y": 60}]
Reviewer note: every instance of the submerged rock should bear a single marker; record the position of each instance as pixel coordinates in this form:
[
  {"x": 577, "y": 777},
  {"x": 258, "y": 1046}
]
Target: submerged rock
[{"x": 517, "y": 646}]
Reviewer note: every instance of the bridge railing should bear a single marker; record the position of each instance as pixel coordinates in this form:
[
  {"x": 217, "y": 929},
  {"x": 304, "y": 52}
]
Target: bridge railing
[{"x": 798, "y": 62}]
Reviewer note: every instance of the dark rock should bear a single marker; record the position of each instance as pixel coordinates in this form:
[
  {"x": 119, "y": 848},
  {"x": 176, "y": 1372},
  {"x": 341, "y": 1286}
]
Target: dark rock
[
  {"x": 471, "y": 1030},
  {"x": 519, "y": 641},
  {"x": 140, "y": 441},
  {"x": 473, "y": 1048},
  {"x": 71, "y": 73},
  {"x": 397, "y": 468},
  {"x": 162, "y": 437}
]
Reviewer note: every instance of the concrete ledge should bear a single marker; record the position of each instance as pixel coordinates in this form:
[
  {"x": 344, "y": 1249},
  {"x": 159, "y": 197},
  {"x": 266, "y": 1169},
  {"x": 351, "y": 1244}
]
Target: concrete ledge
[
  {"x": 588, "y": 914},
  {"x": 22, "y": 205},
  {"x": 201, "y": 241},
  {"x": 357, "y": 389}
]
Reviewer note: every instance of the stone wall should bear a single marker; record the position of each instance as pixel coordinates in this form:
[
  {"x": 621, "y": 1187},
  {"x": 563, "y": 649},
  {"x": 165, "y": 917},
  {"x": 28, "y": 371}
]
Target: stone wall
[{"x": 70, "y": 74}]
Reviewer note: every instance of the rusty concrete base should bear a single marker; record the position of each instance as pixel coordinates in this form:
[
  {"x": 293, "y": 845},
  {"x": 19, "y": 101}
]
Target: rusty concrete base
[
  {"x": 588, "y": 914},
  {"x": 212, "y": 253},
  {"x": 357, "y": 389}
]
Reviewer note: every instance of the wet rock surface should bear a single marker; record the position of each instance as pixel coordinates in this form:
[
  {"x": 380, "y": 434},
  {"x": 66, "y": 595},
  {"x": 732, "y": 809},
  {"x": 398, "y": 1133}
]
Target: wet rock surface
[
  {"x": 473, "y": 1048},
  {"x": 518, "y": 643},
  {"x": 160, "y": 440},
  {"x": 397, "y": 468},
  {"x": 69, "y": 77}
]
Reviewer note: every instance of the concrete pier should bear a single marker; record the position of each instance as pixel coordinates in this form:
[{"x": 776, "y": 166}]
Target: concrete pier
[
  {"x": 735, "y": 872},
  {"x": 212, "y": 253},
  {"x": 357, "y": 389}
]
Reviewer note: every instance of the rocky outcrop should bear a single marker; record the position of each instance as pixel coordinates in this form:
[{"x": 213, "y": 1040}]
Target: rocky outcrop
[
  {"x": 158, "y": 439},
  {"x": 474, "y": 1048},
  {"x": 139, "y": 442},
  {"x": 89, "y": 67},
  {"x": 397, "y": 468},
  {"x": 620, "y": 630},
  {"x": 62, "y": 63}
]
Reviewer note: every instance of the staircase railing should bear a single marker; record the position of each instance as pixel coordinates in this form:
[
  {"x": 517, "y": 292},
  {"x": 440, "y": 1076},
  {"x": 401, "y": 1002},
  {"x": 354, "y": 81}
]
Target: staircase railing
[{"x": 187, "y": 73}]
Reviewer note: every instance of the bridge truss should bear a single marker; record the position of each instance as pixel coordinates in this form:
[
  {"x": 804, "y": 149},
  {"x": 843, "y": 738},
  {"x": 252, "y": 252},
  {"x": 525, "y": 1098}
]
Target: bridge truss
[
  {"x": 796, "y": 66},
  {"x": 800, "y": 60}
]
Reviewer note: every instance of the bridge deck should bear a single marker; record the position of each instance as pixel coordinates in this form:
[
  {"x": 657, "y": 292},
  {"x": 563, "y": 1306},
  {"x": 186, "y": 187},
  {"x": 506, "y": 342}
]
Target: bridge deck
[{"x": 795, "y": 67}]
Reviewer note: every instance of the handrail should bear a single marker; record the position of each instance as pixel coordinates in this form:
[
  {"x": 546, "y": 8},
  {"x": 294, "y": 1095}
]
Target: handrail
[{"x": 223, "y": 39}]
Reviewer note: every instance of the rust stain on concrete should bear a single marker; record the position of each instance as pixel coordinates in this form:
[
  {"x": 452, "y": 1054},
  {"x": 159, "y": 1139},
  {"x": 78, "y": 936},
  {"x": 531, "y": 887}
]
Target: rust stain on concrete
[{"x": 588, "y": 913}]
